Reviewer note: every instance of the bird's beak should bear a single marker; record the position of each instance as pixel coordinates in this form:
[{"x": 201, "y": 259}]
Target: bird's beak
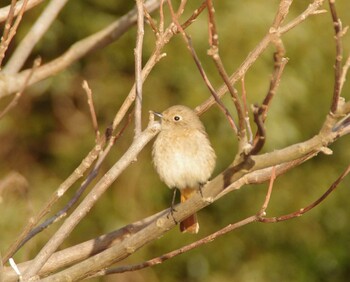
[{"x": 157, "y": 114}]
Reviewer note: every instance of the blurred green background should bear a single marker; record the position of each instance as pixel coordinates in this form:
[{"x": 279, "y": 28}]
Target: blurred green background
[{"x": 46, "y": 136}]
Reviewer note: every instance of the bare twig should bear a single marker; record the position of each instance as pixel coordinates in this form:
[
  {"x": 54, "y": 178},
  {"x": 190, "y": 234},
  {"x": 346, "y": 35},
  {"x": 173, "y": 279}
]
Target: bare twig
[
  {"x": 78, "y": 173},
  {"x": 201, "y": 70},
  {"x": 338, "y": 29},
  {"x": 27, "y": 44},
  {"x": 214, "y": 53},
  {"x": 85, "y": 206},
  {"x": 9, "y": 84},
  {"x": 5, "y": 11},
  {"x": 312, "y": 9},
  {"x": 18, "y": 95},
  {"x": 10, "y": 30},
  {"x": 138, "y": 67},
  {"x": 246, "y": 112},
  {"x": 344, "y": 73},
  {"x": 260, "y": 113},
  {"x": 311, "y": 206},
  {"x": 260, "y": 217},
  {"x": 150, "y": 21},
  {"x": 31, "y": 232},
  {"x": 262, "y": 211},
  {"x": 90, "y": 101}
]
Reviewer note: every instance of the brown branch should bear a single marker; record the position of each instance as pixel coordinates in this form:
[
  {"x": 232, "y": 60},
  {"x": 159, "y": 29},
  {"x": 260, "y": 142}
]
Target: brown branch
[
  {"x": 5, "y": 11},
  {"x": 78, "y": 173},
  {"x": 79, "y": 252},
  {"x": 90, "y": 102},
  {"x": 85, "y": 206},
  {"x": 259, "y": 217},
  {"x": 138, "y": 67},
  {"x": 11, "y": 29},
  {"x": 338, "y": 56},
  {"x": 19, "y": 94},
  {"x": 312, "y": 9},
  {"x": 214, "y": 53},
  {"x": 246, "y": 112},
  {"x": 91, "y": 176},
  {"x": 193, "y": 53},
  {"x": 344, "y": 72},
  {"x": 9, "y": 84},
  {"x": 302, "y": 211},
  {"x": 27, "y": 44},
  {"x": 259, "y": 169},
  {"x": 260, "y": 113}
]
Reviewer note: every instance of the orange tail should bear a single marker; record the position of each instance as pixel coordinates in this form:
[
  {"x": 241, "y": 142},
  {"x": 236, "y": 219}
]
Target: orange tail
[{"x": 189, "y": 224}]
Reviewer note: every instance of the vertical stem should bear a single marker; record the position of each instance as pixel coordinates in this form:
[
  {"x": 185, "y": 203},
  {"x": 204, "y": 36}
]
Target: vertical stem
[{"x": 138, "y": 67}]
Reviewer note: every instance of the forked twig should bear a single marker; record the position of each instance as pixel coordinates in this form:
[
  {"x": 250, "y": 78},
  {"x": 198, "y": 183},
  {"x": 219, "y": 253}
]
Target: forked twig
[
  {"x": 10, "y": 30},
  {"x": 259, "y": 217},
  {"x": 309, "y": 207},
  {"x": 188, "y": 41},
  {"x": 214, "y": 53}
]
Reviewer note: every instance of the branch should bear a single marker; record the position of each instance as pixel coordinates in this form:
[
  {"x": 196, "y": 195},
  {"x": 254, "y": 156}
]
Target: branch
[
  {"x": 85, "y": 206},
  {"x": 10, "y": 83},
  {"x": 189, "y": 46},
  {"x": 214, "y": 53},
  {"x": 338, "y": 29},
  {"x": 256, "y": 169},
  {"x": 27, "y": 44},
  {"x": 4, "y": 12},
  {"x": 312, "y": 9},
  {"x": 302, "y": 211},
  {"x": 19, "y": 94},
  {"x": 10, "y": 30},
  {"x": 138, "y": 67}
]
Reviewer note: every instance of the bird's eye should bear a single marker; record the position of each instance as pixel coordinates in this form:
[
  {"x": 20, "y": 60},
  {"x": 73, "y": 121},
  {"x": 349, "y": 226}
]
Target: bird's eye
[{"x": 177, "y": 118}]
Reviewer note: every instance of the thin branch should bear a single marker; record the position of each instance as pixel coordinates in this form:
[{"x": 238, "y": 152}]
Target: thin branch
[
  {"x": 78, "y": 173},
  {"x": 90, "y": 101},
  {"x": 85, "y": 206},
  {"x": 9, "y": 84},
  {"x": 150, "y": 21},
  {"x": 37, "y": 31},
  {"x": 260, "y": 217},
  {"x": 246, "y": 112},
  {"x": 260, "y": 113},
  {"x": 91, "y": 176},
  {"x": 201, "y": 70},
  {"x": 302, "y": 211},
  {"x": 19, "y": 94},
  {"x": 8, "y": 25},
  {"x": 5, "y": 11},
  {"x": 338, "y": 30},
  {"x": 138, "y": 67},
  {"x": 11, "y": 30},
  {"x": 312, "y": 9},
  {"x": 214, "y": 53},
  {"x": 344, "y": 73},
  {"x": 262, "y": 211}
]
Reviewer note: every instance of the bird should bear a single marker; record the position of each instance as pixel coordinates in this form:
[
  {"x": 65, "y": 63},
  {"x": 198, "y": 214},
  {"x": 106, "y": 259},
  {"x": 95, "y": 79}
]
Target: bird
[{"x": 183, "y": 156}]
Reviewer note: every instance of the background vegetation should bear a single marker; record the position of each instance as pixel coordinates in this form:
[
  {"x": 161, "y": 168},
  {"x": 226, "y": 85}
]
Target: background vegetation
[{"x": 47, "y": 134}]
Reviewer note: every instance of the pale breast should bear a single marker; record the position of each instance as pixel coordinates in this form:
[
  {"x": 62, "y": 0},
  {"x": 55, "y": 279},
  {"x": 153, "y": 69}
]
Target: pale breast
[{"x": 183, "y": 161}]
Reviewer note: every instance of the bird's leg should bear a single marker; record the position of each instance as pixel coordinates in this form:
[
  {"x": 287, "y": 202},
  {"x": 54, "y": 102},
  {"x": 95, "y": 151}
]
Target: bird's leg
[
  {"x": 200, "y": 186},
  {"x": 172, "y": 209}
]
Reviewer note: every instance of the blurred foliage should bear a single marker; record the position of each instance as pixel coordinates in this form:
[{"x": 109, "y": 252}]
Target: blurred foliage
[{"x": 46, "y": 136}]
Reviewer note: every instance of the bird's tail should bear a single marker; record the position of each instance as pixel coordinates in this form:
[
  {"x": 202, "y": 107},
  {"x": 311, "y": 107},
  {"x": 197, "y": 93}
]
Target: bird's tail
[{"x": 189, "y": 224}]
